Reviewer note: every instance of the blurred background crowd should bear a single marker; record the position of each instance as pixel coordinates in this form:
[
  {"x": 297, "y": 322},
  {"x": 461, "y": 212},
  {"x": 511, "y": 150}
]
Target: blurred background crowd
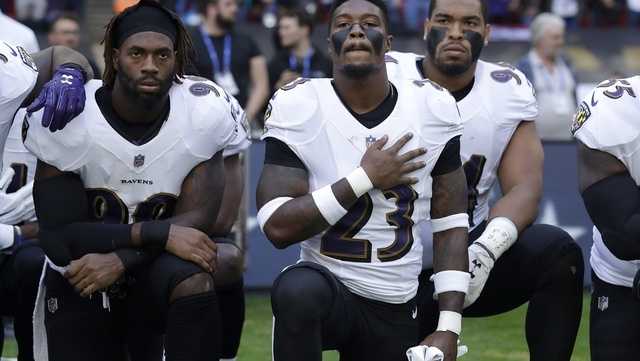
[
  {"x": 406, "y": 15},
  {"x": 253, "y": 47}
]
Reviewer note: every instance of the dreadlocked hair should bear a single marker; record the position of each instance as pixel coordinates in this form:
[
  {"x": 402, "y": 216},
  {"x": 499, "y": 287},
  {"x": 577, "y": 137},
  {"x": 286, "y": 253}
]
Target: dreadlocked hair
[{"x": 183, "y": 45}]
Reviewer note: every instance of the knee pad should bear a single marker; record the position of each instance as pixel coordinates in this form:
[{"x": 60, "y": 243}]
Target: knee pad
[{"x": 303, "y": 292}]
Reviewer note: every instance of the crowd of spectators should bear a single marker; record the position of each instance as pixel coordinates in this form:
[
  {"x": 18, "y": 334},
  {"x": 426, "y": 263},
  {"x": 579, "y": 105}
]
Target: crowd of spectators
[
  {"x": 40, "y": 14},
  {"x": 407, "y": 16},
  {"x": 233, "y": 59}
]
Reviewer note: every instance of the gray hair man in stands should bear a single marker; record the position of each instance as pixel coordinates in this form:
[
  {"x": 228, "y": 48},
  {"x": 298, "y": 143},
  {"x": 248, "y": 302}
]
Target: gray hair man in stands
[{"x": 552, "y": 77}]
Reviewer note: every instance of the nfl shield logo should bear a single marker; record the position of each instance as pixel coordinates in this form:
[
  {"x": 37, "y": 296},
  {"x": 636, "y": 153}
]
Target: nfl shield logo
[
  {"x": 52, "y": 304},
  {"x": 603, "y": 303},
  {"x": 370, "y": 140},
  {"x": 138, "y": 161}
]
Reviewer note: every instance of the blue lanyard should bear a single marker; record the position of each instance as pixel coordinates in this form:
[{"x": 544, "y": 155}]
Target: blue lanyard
[
  {"x": 306, "y": 63},
  {"x": 181, "y": 7},
  {"x": 226, "y": 53}
]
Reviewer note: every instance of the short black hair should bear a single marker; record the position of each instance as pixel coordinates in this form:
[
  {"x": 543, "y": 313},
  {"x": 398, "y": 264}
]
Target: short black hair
[
  {"x": 484, "y": 8},
  {"x": 381, "y": 4},
  {"x": 303, "y": 17}
]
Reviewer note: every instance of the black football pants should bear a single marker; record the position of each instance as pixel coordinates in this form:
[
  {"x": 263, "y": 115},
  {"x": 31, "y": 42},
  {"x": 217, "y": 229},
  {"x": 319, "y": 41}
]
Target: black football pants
[{"x": 545, "y": 268}]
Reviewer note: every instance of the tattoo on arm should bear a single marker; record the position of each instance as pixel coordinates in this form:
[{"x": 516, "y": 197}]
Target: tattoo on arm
[{"x": 450, "y": 246}]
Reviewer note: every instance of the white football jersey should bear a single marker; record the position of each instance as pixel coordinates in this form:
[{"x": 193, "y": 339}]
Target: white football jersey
[
  {"x": 18, "y": 75},
  {"x": 607, "y": 120},
  {"x": 16, "y": 155},
  {"x": 374, "y": 250},
  {"x": 23, "y": 163},
  {"x": 500, "y": 99},
  {"x": 127, "y": 182},
  {"x": 241, "y": 142}
]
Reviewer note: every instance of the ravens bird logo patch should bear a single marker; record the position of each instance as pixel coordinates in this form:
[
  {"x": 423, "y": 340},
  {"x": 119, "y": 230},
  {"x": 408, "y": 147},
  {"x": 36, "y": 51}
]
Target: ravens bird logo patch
[{"x": 582, "y": 115}]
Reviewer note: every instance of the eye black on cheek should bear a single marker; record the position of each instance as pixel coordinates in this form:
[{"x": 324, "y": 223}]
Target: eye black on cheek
[
  {"x": 376, "y": 38},
  {"x": 435, "y": 36},
  {"x": 338, "y": 38}
]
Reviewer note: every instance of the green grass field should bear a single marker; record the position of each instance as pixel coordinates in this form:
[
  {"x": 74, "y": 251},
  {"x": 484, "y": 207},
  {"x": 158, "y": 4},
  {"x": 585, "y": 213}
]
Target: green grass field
[{"x": 499, "y": 338}]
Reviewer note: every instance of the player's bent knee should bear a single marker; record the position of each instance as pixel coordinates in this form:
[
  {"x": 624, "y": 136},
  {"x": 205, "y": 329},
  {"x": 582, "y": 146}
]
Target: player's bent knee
[
  {"x": 230, "y": 265},
  {"x": 562, "y": 252},
  {"x": 565, "y": 246},
  {"x": 28, "y": 262},
  {"x": 193, "y": 285},
  {"x": 550, "y": 234},
  {"x": 547, "y": 239},
  {"x": 302, "y": 294}
]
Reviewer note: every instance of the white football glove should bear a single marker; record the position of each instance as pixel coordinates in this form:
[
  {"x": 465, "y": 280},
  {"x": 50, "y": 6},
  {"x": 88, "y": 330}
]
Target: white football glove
[
  {"x": 7, "y": 236},
  {"x": 5, "y": 179},
  {"x": 427, "y": 353},
  {"x": 480, "y": 265},
  {"x": 496, "y": 239},
  {"x": 18, "y": 206}
]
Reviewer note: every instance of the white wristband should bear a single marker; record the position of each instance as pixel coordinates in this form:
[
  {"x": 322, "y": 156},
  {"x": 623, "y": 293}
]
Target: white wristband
[
  {"x": 451, "y": 281},
  {"x": 450, "y": 321},
  {"x": 269, "y": 208},
  {"x": 359, "y": 182},
  {"x": 501, "y": 233},
  {"x": 459, "y": 220},
  {"x": 328, "y": 205},
  {"x": 7, "y": 234}
]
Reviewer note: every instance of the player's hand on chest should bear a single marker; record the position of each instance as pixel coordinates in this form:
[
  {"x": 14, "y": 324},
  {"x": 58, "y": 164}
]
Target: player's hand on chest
[{"x": 388, "y": 167}]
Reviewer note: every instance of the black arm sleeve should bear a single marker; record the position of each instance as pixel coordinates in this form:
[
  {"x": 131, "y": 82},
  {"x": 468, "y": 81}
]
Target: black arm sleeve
[
  {"x": 449, "y": 158},
  {"x": 62, "y": 210},
  {"x": 133, "y": 258},
  {"x": 278, "y": 153},
  {"x": 614, "y": 207}
]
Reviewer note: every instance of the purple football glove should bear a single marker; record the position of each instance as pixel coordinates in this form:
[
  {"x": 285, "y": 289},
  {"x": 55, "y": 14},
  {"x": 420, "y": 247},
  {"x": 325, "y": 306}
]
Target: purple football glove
[{"x": 62, "y": 98}]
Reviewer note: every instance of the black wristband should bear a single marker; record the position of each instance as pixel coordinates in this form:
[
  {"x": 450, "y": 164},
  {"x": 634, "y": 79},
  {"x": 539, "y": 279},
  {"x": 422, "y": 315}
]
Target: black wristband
[
  {"x": 155, "y": 234},
  {"x": 129, "y": 257}
]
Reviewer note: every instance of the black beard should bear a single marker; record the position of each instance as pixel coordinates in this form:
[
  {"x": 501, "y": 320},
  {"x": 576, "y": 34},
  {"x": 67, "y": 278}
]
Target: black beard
[
  {"x": 358, "y": 71},
  {"x": 452, "y": 69},
  {"x": 437, "y": 35},
  {"x": 225, "y": 23},
  {"x": 128, "y": 85}
]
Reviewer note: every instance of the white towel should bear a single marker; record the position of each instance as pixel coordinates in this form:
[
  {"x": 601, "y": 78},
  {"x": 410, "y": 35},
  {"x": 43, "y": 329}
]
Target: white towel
[
  {"x": 426, "y": 353},
  {"x": 40, "y": 346}
]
